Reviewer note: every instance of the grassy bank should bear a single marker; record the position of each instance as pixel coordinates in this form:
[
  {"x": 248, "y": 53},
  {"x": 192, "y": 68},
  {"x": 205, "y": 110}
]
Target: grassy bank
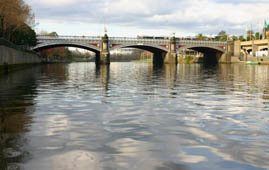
[
  {"x": 143, "y": 61},
  {"x": 186, "y": 60}
]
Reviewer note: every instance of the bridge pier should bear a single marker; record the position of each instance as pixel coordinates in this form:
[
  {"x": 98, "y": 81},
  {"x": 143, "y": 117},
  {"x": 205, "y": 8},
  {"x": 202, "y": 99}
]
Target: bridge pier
[
  {"x": 158, "y": 58},
  {"x": 97, "y": 59},
  {"x": 171, "y": 56},
  {"x": 104, "y": 58},
  {"x": 237, "y": 48},
  {"x": 255, "y": 48},
  {"x": 229, "y": 52}
]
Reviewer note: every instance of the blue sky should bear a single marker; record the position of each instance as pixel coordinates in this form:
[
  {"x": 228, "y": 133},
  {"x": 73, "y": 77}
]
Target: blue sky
[{"x": 149, "y": 17}]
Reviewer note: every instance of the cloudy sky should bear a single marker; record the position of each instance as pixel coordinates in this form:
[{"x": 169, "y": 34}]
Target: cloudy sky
[{"x": 149, "y": 17}]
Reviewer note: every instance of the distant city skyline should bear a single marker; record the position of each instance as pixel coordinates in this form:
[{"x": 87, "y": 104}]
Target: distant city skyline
[{"x": 149, "y": 17}]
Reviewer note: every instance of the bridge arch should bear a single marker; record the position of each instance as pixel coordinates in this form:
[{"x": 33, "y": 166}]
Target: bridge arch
[
  {"x": 264, "y": 49},
  {"x": 89, "y": 47},
  {"x": 212, "y": 54},
  {"x": 158, "y": 52},
  {"x": 249, "y": 51},
  {"x": 43, "y": 46},
  {"x": 147, "y": 47}
]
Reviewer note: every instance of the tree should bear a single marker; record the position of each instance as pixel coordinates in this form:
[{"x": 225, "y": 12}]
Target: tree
[
  {"x": 258, "y": 36},
  {"x": 250, "y": 35},
  {"x": 200, "y": 37},
  {"x": 24, "y": 36},
  {"x": 53, "y": 34},
  {"x": 266, "y": 26},
  {"x": 222, "y": 36},
  {"x": 235, "y": 38},
  {"x": 15, "y": 15},
  {"x": 266, "y": 29},
  {"x": 58, "y": 53},
  {"x": 242, "y": 38}
]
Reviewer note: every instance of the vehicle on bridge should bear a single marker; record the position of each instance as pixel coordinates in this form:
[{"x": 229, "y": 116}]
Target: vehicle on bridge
[{"x": 153, "y": 37}]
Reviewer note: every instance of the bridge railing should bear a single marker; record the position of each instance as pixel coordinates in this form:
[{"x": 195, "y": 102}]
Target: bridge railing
[
  {"x": 98, "y": 38},
  {"x": 209, "y": 42},
  {"x": 68, "y": 37},
  {"x": 130, "y": 40},
  {"x": 138, "y": 40}
]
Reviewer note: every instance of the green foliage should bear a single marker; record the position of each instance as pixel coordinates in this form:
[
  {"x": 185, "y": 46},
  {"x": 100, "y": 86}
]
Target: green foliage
[
  {"x": 258, "y": 36},
  {"x": 25, "y": 36},
  {"x": 64, "y": 54},
  {"x": 200, "y": 37},
  {"x": 188, "y": 59},
  {"x": 242, "y": 38},
  {"x": 222, "y": 36},
  {"x": 53, "y": 34},
  {"x": 222, "y": 33},
  {"x": 235, "y": 38},
  {"x": 250, "y": 35},
  {"x": 266, "y": 26},
  {"x": 143, "y": 61},
  {"x": 15, "y": 18}
]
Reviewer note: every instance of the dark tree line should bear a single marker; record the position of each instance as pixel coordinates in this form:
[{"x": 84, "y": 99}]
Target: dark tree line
[{"x": 16, "y": 20}]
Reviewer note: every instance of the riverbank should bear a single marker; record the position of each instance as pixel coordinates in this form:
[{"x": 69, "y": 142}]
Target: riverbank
[
  {"x": 252, "y": 60},
  {"x": 143, "y": 61},
  {"x": 13, "y": 57}
]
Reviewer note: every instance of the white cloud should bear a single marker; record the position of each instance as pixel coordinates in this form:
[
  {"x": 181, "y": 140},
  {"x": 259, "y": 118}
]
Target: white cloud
[
  {"x": 190, "y": 16},
  {"x": 53, "y": 3}
]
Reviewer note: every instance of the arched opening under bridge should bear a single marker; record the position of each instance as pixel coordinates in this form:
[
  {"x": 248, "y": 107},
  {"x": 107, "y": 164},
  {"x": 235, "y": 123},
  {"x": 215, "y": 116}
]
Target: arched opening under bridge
[
  {"x": 158, "y": 53},
  {"x": 94, "y": 51}
]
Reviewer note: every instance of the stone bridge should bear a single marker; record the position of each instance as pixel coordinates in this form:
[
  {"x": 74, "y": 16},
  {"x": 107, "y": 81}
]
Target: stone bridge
[{"x": 165, "y": 50}]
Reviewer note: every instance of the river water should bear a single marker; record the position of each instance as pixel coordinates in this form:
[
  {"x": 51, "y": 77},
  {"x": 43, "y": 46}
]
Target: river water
[{"x": 133, "y": 116}]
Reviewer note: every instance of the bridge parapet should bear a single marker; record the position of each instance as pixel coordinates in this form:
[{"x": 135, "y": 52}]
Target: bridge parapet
[
  {"x": 138, "y": 40},
  {"x": 128, "y": 40},
  {"x": 43, "y": 39},
  {"x": 70, "y": 37},
  {"x": 193, "y": 42},
  {"x": 189, "y": 44},
  {"x": 92, "y": 43}
]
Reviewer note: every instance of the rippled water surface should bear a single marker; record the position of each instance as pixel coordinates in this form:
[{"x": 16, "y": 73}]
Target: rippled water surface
[{"x": 133, "y": 116}]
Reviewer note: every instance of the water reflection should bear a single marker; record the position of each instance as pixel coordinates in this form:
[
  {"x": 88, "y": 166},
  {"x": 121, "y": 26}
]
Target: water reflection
[
  {"x": 135, "y": 116},
  {"x": 77, "y": 159},
  {"x": 17, "y": 106},
  {"x": 171, "y": 165},
  {"x": 56, "y": 73},
  {"x": 170, "y": 75},
  {"x": 103, "y": 73}
]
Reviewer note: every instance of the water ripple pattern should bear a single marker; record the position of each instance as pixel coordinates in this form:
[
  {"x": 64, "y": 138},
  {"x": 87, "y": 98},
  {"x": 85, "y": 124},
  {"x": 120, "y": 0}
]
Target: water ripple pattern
[{"x": 133, "y": 116}]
